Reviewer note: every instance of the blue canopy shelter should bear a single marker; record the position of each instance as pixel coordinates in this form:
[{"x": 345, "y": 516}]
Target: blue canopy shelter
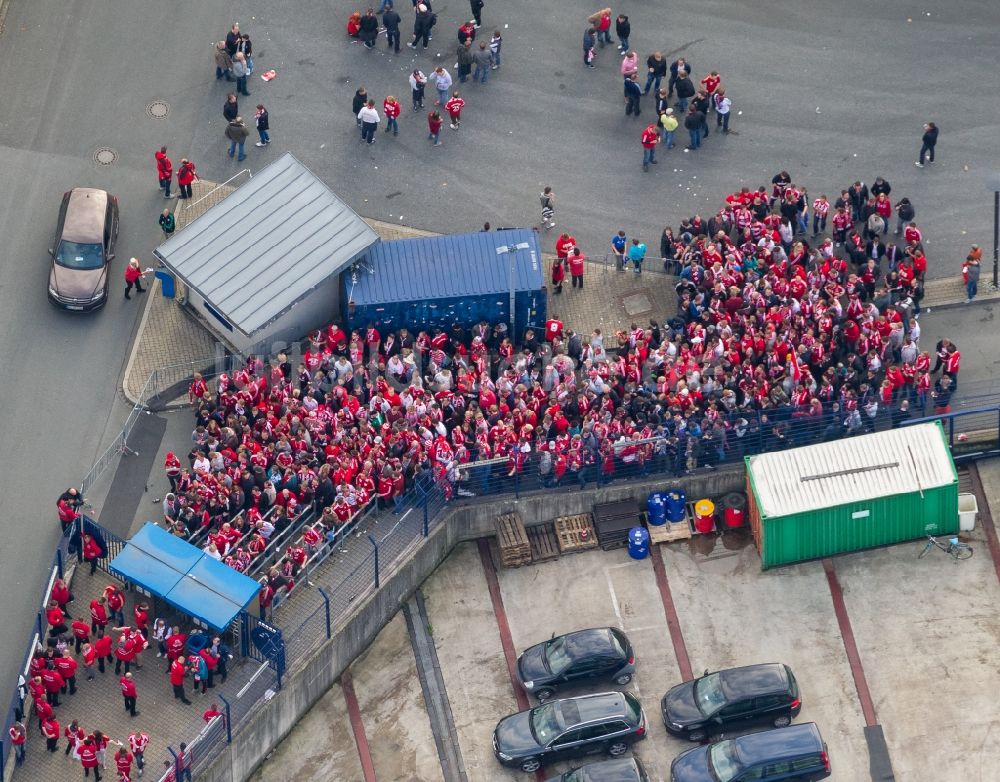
[{"x": 184, "y": 576}]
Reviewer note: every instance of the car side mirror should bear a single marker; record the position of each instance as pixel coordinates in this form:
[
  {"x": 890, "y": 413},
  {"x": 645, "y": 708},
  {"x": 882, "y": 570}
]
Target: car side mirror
[
  {"x": 706, "y": 672},
  {"x": 52, "y": 252},
  {"x": 111, "y": 256}
]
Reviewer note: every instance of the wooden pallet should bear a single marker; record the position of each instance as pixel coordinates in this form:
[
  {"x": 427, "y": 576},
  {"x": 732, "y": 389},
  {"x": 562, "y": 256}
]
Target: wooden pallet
[
  {"x": 544, "y": 545},
  {"x": 512, "y": 540},
  {"x": 668, "y": 532},
  {"x": 575, "y": 533}
]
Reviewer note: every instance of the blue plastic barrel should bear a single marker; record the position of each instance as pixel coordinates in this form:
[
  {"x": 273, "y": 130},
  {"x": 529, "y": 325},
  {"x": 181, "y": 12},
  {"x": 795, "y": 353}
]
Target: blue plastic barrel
[
  {"x": 656, "y": 506},
  {"x": 676, "y": 505},
  {"x": 638, "y": 543}
]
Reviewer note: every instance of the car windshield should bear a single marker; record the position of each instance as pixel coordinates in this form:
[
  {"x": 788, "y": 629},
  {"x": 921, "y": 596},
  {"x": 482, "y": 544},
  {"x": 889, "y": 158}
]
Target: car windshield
[
  {"x": 708, "y": 694},
  {"x": 555, "y": 656},
  {"x": 617, "y": 644},
  {"x": 74, "y": 255},
  {"x": 545, "y": 723},
  {"x": 725, "y": 764}
]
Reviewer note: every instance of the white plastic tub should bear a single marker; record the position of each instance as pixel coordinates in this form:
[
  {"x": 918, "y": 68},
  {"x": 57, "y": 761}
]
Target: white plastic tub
[{"x": 967, "y": 510}]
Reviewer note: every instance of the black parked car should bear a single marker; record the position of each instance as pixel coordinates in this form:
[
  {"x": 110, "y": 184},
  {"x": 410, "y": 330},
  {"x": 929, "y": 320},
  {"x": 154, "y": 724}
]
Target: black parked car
[
  {"x": 732, "y": 700},
  {"x": 795, "y": 754},
  {"x": 569, "y": 728},
  {"x": 614, "y": 770},
  {"x": 602, "y": 654}
]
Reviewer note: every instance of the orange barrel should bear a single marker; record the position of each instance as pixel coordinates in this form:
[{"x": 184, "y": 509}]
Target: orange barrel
[
  {"x": 733, "y": 509},
  {"x": 704, "y": 516}
]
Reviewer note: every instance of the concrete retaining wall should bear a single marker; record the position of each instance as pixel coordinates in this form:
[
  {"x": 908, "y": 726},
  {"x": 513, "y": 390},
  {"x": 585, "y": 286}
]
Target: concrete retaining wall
[{"x": 312, "y": 677}]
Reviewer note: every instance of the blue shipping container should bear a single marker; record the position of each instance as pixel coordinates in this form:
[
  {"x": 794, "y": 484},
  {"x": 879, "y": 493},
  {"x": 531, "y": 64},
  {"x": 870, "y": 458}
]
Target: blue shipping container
[{"x": 437, "y": 281}]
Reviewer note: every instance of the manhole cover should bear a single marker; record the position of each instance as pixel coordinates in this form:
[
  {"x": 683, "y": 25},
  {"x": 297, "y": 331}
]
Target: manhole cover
[
  {"x": 636, "y": 303},
  {"x": 157, "y": 109},
  {"x": 105, "y": 156}
]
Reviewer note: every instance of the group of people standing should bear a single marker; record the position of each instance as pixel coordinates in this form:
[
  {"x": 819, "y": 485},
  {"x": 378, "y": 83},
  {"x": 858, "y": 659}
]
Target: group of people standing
[{"x": 473, "y": 59}]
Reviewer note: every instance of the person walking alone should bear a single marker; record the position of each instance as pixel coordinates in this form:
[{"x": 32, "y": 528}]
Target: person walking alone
[
  {"x": 133, "y": 277},
  {"x": 391, "y": 108},
  {"x": 236, "y": 132},
  {"x": 186, "y": 176},
  {"x": 262, "y": 122},
  {"x": 477, "y": 11},
  {"x": 369, "y": 119},
  {"x": 164, "y": 171},
  {"x": 548, "y": 202},
  {"x": 971, "y": 269},
  {"x": 928, "y": 142},
  {"x": 650, "y": 138},
  {"x": 129, "y": 693}
]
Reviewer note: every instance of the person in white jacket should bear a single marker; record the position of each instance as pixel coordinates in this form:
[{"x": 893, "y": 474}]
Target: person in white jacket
[{"x": 369, "y": 119}]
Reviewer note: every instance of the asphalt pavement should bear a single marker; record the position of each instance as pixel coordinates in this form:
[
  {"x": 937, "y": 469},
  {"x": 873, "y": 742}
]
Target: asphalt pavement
[
  {"x": 832, "y": 93},
  {"x": 77, "y": 76}
]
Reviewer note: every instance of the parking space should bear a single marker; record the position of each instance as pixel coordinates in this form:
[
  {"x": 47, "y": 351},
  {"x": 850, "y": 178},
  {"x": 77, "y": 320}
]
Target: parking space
[
  {"x": 927, "y": 631},
  {"x": 733, "y": 614},
  {"x": 600, "y": 589},
  {"x": 472, "y": 663}
]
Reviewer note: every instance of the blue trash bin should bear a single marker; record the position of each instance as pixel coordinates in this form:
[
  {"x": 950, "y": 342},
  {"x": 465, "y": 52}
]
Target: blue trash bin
[
  {"x": 676, "y": 505},
  {"x": 638, "y": 543},
  {"x": 656, "y": 506}
]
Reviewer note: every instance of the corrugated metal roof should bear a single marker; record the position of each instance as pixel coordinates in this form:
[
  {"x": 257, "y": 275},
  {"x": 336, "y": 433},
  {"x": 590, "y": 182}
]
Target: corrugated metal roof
[
  {"x": 443, "y": 267},
  {"x": 267, "y": 244},
  {"x": 856, "y": 469}
]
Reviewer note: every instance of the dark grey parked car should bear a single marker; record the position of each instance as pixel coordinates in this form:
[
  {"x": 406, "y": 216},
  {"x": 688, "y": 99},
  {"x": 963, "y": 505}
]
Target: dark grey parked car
[
  {"x": 582, "y": 657},
  {"x": 569, "y": 728},
  {"x": 613, "y": 770}
]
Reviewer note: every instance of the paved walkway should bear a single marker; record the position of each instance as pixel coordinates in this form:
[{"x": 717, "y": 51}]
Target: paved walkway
[{"x": 98, "y": 704}]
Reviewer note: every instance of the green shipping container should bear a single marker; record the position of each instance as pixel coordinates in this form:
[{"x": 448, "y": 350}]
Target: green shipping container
[{"x": 852, "y": 494}]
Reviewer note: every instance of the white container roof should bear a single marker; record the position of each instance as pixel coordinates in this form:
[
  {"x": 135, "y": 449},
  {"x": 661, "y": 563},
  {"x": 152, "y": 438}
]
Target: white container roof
[{"x": 856, "y": 469}]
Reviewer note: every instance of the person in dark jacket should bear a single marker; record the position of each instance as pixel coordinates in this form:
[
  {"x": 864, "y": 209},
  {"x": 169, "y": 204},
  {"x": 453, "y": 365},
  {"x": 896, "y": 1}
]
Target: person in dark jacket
[
  {"x": 880, "y": 186},
  {"x": 904, "y": 214},
  {"x": 656, "y": 69},
  {"x": 678, "y": 65},
  {"x": 703, "y": 103},
  {"x": 231, "y": 107},
  {"x": 858, "y": 194},
  {"x": 928, "y": 142},
  {"x": 465, "y": 59},
  {"x": 262, "y": 122},
  {"x": 633, "y": 94},
  {"x": 236, "y": 133},
  {"x": 390, "y": 21},
  {"x": 369, "y": 28},
  {"x": 589, "y": 41},
  {"x": 477, "y": 11},
  {"x": 623, "y": 29},
  {"x": 685, "y": 90},
  {"x": 422, "y": 24},
  {"x": 694, "y": 121},
  {"x": 360, "y": 99}
]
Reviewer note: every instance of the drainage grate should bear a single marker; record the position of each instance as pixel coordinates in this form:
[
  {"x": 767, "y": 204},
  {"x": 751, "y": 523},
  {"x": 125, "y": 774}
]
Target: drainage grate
[
  {"x": 105, "y": 156},
  {"x": 158, "y": 109}
]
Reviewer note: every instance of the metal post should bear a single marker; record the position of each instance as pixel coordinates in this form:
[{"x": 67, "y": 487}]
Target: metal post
[
  {"x": 229, "y": 721},
  {"x": 177, "y": 763},
  {"x": 59, "y": 567},
  {"x": 375, "y": 547},
  {"x": 244, "y": 634},
  {"x": 326, "y": 600},
  {"x": 996, "y": 232},
  {"x": 427, "y": 527},
  {"x": 951, "y": 431}
]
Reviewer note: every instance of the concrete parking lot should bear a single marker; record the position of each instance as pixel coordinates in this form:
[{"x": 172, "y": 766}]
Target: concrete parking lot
[{"x": 917, "y": 635}]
